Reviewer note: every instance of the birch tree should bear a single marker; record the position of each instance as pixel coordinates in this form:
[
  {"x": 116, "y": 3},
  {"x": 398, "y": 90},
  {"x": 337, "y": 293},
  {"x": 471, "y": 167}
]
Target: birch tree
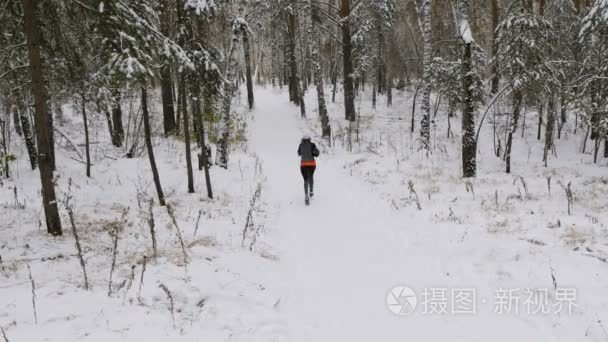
[
  {"x": 425, "y": 123},
  {"x": 229, "y": 88}
]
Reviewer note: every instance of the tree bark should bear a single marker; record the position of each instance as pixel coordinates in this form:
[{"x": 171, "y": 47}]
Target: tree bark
[
  {"x": 469, "y": 145},
  {"x": 517, "y": 100},
  {"x": 551, "y": 113},
  {"x": 247, "y": 52},
  {"x": 204, "y": 157},
  {"x": 495, "y": 66},
  {"x": 389, "y": 92},
  {"x": 347, "y": 62},
  {"x": 374, "y": 92},
  {"x": 109, "y": 123},
  {"x": 86, "y": 136},
  {"x": 119, "y": 132},
  {"x": 294, "y": 93},
  {"x": 166, "y": 79},
  {"x": 51, "y": 131},
  {"x": 229, "y": 87},
  {"x": 381, "y": 67},
  {"x": 49, "y": 201},
  {"x": 16, "y": 119},
  {"x": 541, "y": 109},
  {"x": 149, "y": 147},
  {"x": 186, "y": 127},
  {"x": 318, "y": 77},
  {"x": 166, "y": 88},
  {"x": 28, "y": 136},
  {"x": 425, "y": 123}
]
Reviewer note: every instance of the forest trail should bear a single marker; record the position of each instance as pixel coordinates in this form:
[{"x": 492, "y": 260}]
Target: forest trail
[{"x": 340, "y": 254}]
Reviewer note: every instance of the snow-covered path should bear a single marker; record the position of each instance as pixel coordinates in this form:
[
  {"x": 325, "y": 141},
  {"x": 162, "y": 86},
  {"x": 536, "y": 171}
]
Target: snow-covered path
[{"x": 340, "y": 254}]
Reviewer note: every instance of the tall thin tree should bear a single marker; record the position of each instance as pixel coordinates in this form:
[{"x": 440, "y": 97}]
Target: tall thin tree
[{"x": 43, "y": 128}]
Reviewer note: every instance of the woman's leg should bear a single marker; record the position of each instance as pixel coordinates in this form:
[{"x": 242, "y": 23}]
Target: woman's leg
[
  {"x": 304, "y": 171},
  {"x": 311, "y": 179}
]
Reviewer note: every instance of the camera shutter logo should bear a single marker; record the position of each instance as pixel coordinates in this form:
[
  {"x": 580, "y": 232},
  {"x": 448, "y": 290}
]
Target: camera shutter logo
[{"x": 401, "y": 300}]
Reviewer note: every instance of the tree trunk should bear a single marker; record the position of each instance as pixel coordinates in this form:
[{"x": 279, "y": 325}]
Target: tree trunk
[
  {"x": 469, "y": 145},
  {"x": 178, "y": 111},
  {"x": 517, "y": 100},
  {"x": 49, "y": 201},
  {"x": 389, "y": 92},
  {"x": 541, "y": 109},
  {"x": 119, "y": 132},
  {"x": 334, "y": 81},
  {"x": 166, "y": 88},
  {"x": 16, "y": 119},
  {"x": 166, "y": 79},
  {"x": 318, "y": 77},
  {"x": 549, "y": 128},
  {"x": 347, "y": 62},
  {"x": 374, "y": 92},
  {"x": 381, "y": 67},
  {"x": 51, "y": 131},
  {"x": 86, "y": 136},
  {"x": 563, "y": 114},
  {"x": 204, "y": 157},
  {"x": 183, "y": 112},
  {"x": 109, "y": 123},
  {"x": 425, "y": 123},
  {"x": 286, "y": 66},
  {"x": 149, "y": 147},
  {"x": 247, "y": 56},
  {"x": 28, "y": 136},
  {"x": 5, "y": 127},
  {"x": 229, "y": 87},
  {"x": 495, "y": 66},
  {"x": 294, "y": 93}
]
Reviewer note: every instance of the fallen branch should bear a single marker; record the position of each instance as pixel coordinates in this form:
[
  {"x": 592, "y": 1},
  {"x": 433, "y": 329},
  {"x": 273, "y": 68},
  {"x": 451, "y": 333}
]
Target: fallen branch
[
  {"x": 63, "y": 135},
  {"x": 197, "y": 221},
  {"x": 29, "y": 271},
  {"x": 488, "y": 109}
]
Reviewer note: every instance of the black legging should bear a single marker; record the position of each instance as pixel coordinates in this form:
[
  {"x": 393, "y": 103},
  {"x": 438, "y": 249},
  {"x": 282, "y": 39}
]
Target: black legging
[{"x": 308, "y": 173}]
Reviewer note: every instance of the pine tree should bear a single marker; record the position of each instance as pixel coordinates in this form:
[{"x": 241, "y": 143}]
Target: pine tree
[{"x": 523, "y": 39}]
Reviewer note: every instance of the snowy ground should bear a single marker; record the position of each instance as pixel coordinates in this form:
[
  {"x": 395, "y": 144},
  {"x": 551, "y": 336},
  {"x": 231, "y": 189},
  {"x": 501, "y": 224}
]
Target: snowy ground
[{"x": 317, "y": 273}]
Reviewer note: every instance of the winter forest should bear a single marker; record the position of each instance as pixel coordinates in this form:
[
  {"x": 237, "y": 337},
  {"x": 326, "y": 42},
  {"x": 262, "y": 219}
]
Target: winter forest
[{"x": 153, "y": 155}]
